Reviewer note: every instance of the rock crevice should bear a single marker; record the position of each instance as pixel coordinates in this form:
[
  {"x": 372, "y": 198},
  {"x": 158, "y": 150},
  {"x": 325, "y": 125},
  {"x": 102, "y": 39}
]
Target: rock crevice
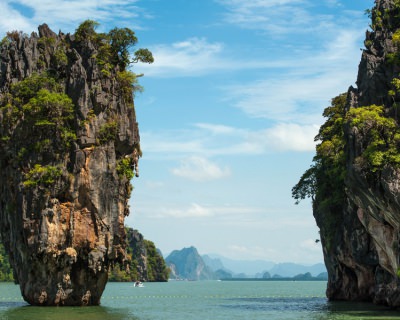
[
  {"x": 362, "y": 257},
  {"x": 65, "y": 171}
]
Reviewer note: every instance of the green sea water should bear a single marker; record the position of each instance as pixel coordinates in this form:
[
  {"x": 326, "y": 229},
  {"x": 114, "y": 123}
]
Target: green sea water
[{"x": 216, "y": 300}]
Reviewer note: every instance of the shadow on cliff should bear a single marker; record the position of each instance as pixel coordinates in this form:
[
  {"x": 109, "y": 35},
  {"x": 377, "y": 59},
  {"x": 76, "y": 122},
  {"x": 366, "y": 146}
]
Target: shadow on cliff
[
  {"x": 21, "y": 311},
  {"x": 361, "y": 310}
]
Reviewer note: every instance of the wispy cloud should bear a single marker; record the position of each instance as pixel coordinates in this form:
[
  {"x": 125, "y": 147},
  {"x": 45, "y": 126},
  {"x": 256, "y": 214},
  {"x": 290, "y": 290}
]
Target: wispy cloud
[
  {"x": 222, "y": 213},
  {"x": 290, "y": 97},
  {"x": 58, "y": 14},
  {"x": 194, "y": 211},
  {"x": 190, "y": 57},
  {"x": 280, "y": 18},
  {"x": 197, "y": 56},
  {"x": 300, "y": 93},
  {"x": 219, "y": 140},
  {"x": 291, "y": 101},
  {"x": 200, "y": 169},
  {"x": 276, "y": 16}
]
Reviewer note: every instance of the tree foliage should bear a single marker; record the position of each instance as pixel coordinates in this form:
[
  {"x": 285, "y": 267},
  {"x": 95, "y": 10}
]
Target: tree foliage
[
  {"x": 381, "y": 137},
  {"x": 42, "y": 175},
  {"x": 156, "y": 267},
  {"x": 139, "y": 253},
  {"x": 113, "y": 47},
  {"x": 6, "y": 273},
  {"x": 86, "y": 30},
  {"x": 375, "y": 129},
  {"x": 324, "y": 180},
  {"x": 121, "y": 40},
  {"x": 326, "y": 174},
  {"x": 33, "y": 110}
]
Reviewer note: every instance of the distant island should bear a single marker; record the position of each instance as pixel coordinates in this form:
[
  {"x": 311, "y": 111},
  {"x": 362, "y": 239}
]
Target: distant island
[
  {"x": 300, "y": 277},
  {"x": 188, "y": 264},
  {"x": 146, "y": 264}
]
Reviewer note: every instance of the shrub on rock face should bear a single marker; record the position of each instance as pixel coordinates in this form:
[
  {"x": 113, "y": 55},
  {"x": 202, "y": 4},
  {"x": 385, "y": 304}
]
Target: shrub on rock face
[
  {"x": 69, "y": 148},
  {"x": 354, "y": 178}
]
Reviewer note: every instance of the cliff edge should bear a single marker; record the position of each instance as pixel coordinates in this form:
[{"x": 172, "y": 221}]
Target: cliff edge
[
  {"x": 69, "y": 147},
  {"x": 354, "y": 180}
]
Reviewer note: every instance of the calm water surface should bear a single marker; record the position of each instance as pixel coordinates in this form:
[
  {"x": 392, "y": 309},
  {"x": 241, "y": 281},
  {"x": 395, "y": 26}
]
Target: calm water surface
[{"x": 201, "y": 300}]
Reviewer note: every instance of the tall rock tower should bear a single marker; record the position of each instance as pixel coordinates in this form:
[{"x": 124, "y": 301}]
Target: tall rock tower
[
  {"x": 355, "y": 178},
  {"x": 69, "y": 147}
]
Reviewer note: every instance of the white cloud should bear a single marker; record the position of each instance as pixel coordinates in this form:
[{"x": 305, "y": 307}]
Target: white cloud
[
  {"x": 18, "y": 21},
  {"x": 333, "y": 3},
  {"x": 216, "y": 128},
  {"x": 64, "y": 15},
  {"x": 306, "y": 251},
  {"x": 280, "y": 18},
  {"x": 275, "y": 16},
  {"x": 194, "y": 211},
  {"x": 196, "y": 57},
  {"x": 200, "y": 169},
  {"x": 224, "y": 214},
  {"x": 225, "y": 140},
  {"x": 290, "y": 136},
  {"x": 300, "y": 93},
  {"x": 190, "y": 57},
  {"x": 170, "y": 142}
]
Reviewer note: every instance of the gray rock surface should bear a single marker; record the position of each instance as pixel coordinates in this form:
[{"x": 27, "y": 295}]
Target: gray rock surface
[
  {"x": 62, "y": 238},
  {"x": 362, "y": 257}
]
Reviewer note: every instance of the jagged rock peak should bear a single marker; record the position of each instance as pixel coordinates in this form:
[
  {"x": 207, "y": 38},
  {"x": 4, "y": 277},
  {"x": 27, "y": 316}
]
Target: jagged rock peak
[{"x": 69, "y": 147}]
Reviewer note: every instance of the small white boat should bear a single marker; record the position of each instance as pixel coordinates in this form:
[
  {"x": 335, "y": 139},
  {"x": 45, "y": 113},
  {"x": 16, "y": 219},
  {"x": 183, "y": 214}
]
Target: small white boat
[{"x": 138, "y": 284}]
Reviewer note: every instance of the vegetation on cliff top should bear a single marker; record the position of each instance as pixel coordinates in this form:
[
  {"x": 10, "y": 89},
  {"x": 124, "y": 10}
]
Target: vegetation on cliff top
[
  {"x": 376, "y": 128},
  {"x": 66, "y": 101},
  {"x": 37, "y": 116}
]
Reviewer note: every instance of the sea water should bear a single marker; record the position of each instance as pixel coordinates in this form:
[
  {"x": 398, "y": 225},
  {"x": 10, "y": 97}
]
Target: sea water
[{"x": 200, "y": 300}]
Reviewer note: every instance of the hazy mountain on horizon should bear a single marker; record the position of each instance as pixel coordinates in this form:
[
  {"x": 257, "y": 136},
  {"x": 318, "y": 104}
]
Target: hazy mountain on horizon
[
  {"x": 256, "y": 268},
  {"x": 289, "y": 269},
  {"x": 248, "y": 267},
  {"x": 187, "y": 263}
]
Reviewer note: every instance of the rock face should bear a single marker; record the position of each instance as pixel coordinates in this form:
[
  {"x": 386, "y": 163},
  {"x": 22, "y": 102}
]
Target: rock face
[
  {"x": 146, "y": 263},
  {"x": 147, "y": 260},
  {"x": 188, "y": 264},
  {"x": 362, "y": 255},
  {"x": 69, "y": 144}
]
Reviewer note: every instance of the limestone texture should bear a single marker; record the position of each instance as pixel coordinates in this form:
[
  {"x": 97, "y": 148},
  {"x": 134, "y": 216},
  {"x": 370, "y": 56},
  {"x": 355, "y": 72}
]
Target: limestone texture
[
  {"x": 64, "y": 193},
  {"x": 362, "y": 253}
]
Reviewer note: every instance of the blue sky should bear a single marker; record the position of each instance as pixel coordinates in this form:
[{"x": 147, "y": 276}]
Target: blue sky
[{"x": 229, "y": 112}]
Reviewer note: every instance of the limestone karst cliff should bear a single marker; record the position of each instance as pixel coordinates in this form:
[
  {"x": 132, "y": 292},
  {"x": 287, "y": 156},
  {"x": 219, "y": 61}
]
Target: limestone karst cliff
[
  {"x": 146, "y": 263},
  {"x": 188, "y": 264},
  {"x": 355, "y": 177},
  {"x": 69, "y": 145}
]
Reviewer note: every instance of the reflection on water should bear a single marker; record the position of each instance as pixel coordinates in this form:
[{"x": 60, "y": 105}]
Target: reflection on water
[
  {"x": 18, "y": 312},
  {"x": 360, "y": 310}
]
